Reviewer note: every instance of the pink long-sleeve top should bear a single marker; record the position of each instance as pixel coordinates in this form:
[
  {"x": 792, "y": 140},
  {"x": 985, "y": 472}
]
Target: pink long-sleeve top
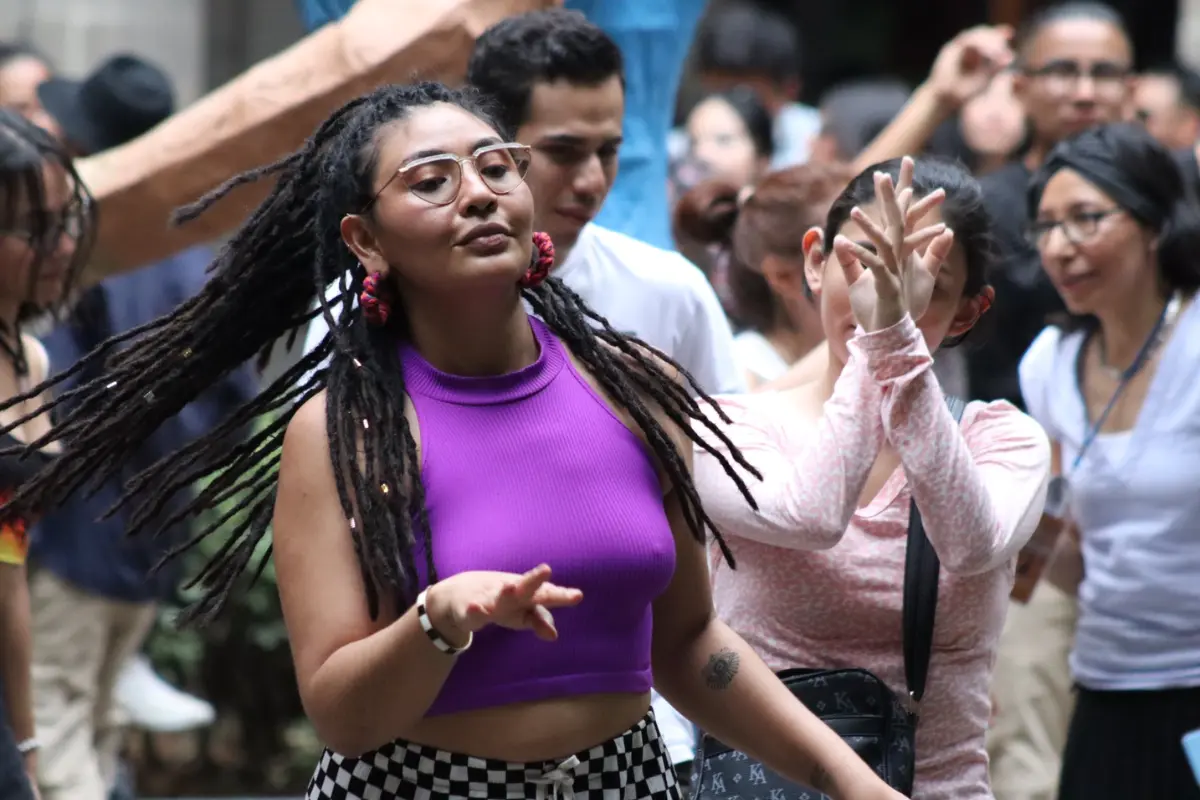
[{"x": 819, "y": 580}]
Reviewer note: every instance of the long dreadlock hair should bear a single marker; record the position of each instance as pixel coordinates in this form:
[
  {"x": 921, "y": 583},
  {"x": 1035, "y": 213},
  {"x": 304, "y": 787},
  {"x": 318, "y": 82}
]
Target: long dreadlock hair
[{"x": 264, "y": 284}]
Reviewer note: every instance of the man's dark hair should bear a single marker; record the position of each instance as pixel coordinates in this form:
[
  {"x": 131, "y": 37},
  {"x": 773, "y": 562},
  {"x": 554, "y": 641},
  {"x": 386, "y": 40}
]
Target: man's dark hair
[
  {"x": 514, "y": 55},
  {"x": 1186, "y": 78},
  {"x": 742, "y": 38},
  {"x": 1076, "y": 9},
  {"x": 263, "y": 287}
]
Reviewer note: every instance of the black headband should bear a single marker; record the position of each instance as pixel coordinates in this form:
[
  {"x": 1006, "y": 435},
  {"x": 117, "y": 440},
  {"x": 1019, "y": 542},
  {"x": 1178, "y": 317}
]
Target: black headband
[{"x": 1107, "y": 177}]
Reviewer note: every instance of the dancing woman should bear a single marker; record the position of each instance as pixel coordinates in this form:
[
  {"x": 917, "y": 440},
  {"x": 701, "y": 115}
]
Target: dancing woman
[
  {"x": 44, "y": 216},
  {"x": 821, "y": 562},
  {"x": 453, "y": 452}
]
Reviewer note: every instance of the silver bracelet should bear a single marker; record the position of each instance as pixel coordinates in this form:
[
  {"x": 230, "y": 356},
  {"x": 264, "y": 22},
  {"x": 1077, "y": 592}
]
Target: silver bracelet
[
  {"x": 28, "y": 746},
  {"x": 434, "y": 634}
]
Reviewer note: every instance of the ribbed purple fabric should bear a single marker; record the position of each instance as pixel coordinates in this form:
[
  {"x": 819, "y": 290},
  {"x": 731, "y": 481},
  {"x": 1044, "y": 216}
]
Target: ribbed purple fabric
[{"x": 533, "y": 467}]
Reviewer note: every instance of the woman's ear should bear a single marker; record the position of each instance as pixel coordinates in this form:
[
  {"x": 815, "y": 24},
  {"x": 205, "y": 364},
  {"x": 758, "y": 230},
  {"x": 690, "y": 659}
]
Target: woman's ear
[
  {"x": 814, "y": 259},
  {"x": 358, "y": 236},
  {"x": 970, "y": 312}
]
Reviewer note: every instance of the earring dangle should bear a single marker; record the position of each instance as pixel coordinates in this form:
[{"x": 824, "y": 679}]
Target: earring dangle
[
  {"x": 541, "y": 262},
  {"x": 376, "y": 307}
]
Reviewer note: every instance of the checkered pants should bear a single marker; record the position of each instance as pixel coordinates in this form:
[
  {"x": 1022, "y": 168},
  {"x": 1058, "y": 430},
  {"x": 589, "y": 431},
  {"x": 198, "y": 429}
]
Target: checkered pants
[{"x": 633, "y": 766}]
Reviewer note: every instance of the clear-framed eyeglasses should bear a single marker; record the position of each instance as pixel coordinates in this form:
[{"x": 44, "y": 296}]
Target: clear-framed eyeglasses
[
  {"x": 70, "y": 222},
  {"x": 1078, "y": 227},
  {"x": 438, "y": 179}
]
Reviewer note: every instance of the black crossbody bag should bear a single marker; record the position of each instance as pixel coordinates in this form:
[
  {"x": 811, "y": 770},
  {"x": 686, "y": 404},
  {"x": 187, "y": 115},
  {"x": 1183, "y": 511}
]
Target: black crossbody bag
[{"x": 877, "y": 723}]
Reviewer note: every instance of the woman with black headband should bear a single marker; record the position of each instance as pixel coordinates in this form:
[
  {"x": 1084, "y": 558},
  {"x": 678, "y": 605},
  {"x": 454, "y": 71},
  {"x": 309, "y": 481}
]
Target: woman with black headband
[{"x": 1112, "y": 383}]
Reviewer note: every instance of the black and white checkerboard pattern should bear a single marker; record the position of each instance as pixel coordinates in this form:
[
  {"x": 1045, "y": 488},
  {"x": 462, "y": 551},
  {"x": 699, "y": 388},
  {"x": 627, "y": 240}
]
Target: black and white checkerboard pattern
[{"x": 633, "y": 766}]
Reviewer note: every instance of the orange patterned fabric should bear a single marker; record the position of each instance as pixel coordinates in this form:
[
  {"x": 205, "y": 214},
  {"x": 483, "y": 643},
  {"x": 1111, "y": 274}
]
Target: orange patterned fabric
[{"x": 14, "y": 538}]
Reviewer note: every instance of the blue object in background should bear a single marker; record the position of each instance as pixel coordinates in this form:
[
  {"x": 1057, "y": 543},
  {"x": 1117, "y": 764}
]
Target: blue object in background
[
  {"x": 317, "y": 13},
  {"x": 654, "y": 36},
  {"x": 1191, "y": 746}
]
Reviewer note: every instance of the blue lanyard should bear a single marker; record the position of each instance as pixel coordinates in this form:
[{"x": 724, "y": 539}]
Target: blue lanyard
[{"x": 1169, "y": 310}]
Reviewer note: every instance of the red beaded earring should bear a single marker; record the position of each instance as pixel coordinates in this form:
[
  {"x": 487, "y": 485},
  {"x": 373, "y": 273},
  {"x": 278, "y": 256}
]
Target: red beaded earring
[
  {"x": 541, "y": 262},
  {"x": 375, "y": 305}
]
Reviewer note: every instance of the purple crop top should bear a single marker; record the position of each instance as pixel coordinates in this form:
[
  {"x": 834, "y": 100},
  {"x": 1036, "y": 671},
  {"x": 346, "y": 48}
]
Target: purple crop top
[{"x": 534, "y": 467}]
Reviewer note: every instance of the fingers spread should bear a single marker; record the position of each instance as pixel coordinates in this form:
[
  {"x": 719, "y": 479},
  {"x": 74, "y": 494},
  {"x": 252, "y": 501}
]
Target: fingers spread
[
  {"x": 530, "y": 582},
  {"x": 552, "y": 596},
  {"x": 883, "y": 244},
  {"x": 918, "y": 210},
  {"x": 938, "y": 251},
  {"x": 915, "y": 241}
]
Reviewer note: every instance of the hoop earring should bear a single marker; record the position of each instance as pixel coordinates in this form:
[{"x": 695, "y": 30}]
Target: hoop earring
[
  {"x": 540, "y": 263},
  {"x": 375, "y": 305}
]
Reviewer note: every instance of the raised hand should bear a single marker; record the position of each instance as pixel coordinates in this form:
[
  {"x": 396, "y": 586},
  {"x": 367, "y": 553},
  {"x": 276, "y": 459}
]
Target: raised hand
[
  {"x": 470, "y": 601},
  {"x": 968, "y": 62},
  {"x": 895, "y": 274}
]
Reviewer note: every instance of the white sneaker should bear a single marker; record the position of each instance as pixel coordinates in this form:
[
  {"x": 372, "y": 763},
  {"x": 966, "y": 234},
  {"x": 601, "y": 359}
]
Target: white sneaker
[{"x": 155, "y": 705}]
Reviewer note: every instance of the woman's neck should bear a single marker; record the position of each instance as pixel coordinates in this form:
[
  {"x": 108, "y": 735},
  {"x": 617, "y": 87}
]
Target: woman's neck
[
  {"x": 1124, "y": 331},
  {"x": 829, "y": 378},
  {"x": 473, "y": 341},
  {"x": 792, "y": 343}
]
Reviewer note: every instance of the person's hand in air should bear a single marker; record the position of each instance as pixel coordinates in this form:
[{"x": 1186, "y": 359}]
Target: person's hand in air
[
  {"x": 470, "y": 601},
  {"x": 892, "y": 271},
  {"x": 967, "y": 63}
]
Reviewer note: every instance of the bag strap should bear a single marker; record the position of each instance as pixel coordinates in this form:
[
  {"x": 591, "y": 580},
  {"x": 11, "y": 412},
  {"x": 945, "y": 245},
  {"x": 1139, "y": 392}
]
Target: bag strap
[{"x": 921, "y": 572}]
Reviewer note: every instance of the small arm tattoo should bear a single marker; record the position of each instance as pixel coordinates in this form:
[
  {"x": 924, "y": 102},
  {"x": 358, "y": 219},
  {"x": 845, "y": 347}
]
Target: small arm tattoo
[{"x": 721, "y": 669}]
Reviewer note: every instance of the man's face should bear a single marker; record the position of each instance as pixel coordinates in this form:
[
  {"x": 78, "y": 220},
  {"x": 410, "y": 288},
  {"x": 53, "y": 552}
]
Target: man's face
[
  {"x": 1077, "y": 74},
  {"x": 1158, "y": 105},
  {"x": 575, "y": 131}
]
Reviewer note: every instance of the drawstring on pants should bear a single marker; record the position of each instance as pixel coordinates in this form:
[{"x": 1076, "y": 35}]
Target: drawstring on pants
[{"x": 557, "y": 783}]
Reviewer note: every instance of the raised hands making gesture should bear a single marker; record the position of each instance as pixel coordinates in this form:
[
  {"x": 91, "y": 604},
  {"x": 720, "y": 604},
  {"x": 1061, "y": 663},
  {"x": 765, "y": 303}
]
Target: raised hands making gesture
[{"x": 892, "y": 272}]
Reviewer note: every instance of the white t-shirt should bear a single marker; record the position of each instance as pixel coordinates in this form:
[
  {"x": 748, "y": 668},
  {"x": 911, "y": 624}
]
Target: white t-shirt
[
  {"x": 1134, "y": 498},
  {"x": 756, "y": 355},
  {"x": 658, "y": 296}
]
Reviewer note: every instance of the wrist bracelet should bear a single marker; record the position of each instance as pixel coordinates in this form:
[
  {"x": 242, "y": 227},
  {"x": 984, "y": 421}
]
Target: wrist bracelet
[
  {"x": 433, "y": 633},
  {"x": 28, "y": 746}
]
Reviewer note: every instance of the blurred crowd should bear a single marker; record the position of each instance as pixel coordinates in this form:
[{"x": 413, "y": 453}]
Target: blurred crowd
[{"x": 1069, "y": 181}]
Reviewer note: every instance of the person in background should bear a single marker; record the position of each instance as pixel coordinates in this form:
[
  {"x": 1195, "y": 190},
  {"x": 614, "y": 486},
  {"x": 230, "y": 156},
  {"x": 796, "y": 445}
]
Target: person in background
[
  {"x": 1167, "y": 101},
  {"x": 759, "y": 231},
  {"x": 22, "y": 70},
  {"x": 900, "y": 269},
  {"x": 730, "y": 136},
  {"x": 46, "y": 222},
  {"x": 557, "y": 78},
  {"x": 742, "y": 44},
  {"x": 95, "y": 598},
  {"x": 1073, "y": 69},
  {"x": 853, "y": 114},
  {"x": 1113, "y": 383}
]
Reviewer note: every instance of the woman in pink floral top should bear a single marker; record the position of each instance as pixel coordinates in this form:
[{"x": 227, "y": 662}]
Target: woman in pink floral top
[{"x": 821, "y": 563}]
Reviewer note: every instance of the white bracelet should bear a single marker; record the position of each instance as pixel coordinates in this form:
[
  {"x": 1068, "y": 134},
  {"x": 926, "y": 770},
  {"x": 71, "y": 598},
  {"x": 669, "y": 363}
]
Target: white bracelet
[
  {"x": 28, "y": 746},
  {"x": 433, "y": 633}
]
